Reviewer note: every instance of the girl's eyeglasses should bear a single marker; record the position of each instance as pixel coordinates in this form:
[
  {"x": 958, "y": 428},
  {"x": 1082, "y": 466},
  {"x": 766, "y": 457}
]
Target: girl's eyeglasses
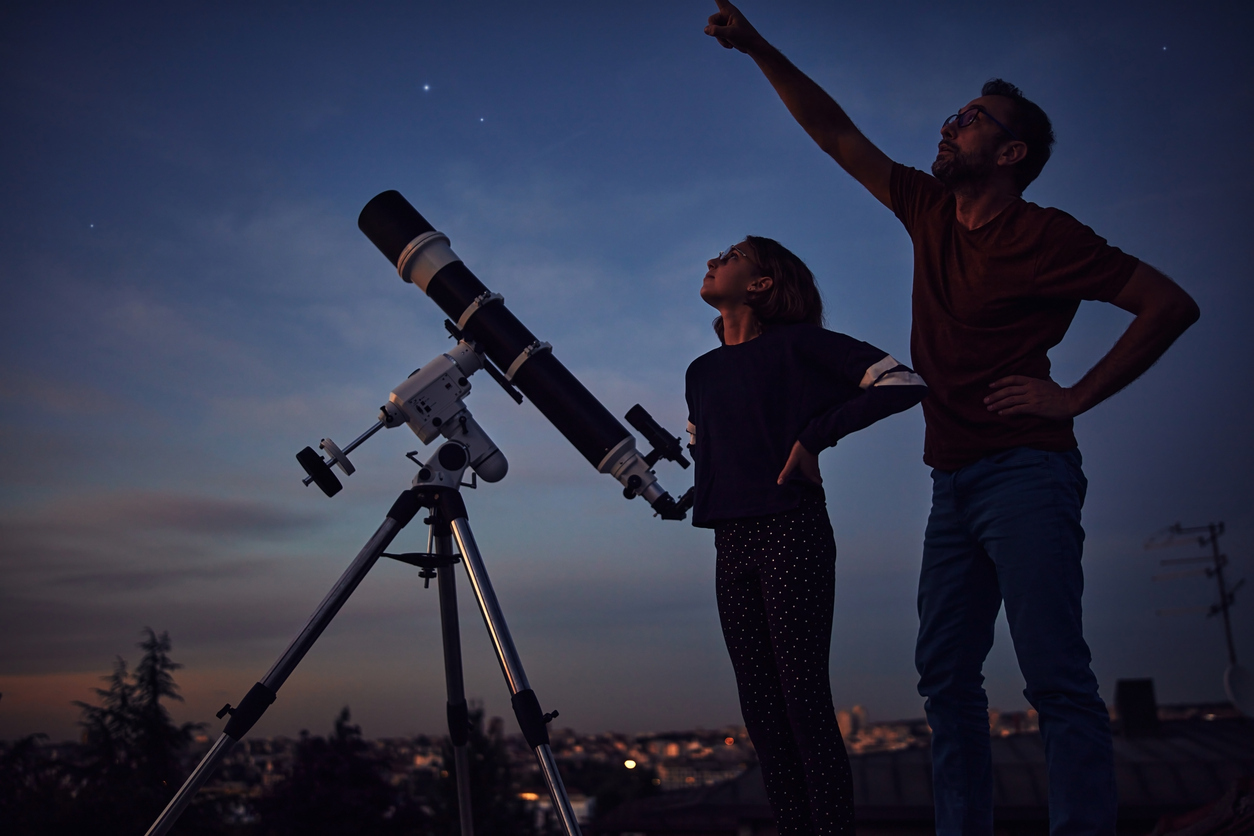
[{"x": 734, "y": 249}]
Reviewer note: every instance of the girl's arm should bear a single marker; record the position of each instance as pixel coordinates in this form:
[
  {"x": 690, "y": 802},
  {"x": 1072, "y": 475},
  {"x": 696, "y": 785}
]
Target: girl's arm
[{"x": 887, "y": 387}]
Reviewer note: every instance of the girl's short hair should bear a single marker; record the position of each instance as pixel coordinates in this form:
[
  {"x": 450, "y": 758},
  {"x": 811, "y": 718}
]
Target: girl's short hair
[{"x": 793, "y": 296}]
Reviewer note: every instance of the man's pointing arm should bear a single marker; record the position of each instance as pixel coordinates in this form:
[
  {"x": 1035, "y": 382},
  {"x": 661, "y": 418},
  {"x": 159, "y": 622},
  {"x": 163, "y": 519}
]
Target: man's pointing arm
[{"x": 816, "y": 112}]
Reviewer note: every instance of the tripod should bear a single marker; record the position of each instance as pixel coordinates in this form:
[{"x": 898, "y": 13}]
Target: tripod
[{"x": 437, "y": 487}]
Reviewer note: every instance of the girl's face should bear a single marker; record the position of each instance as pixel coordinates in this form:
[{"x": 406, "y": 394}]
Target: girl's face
[{"x": 732, "y": 275}]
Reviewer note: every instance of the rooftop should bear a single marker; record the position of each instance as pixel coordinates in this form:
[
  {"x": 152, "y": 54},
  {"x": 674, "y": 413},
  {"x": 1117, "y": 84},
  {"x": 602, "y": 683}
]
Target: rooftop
[{"x": 1188, "y": 763}]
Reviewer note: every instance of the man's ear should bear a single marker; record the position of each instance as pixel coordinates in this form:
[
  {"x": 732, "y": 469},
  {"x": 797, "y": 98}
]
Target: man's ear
[
  {"x": 761, "y": 285},
  {"x": 1015, "y": 151}
]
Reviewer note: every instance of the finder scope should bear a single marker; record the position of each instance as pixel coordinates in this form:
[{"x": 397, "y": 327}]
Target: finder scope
[{"x": 422, "y": 256}]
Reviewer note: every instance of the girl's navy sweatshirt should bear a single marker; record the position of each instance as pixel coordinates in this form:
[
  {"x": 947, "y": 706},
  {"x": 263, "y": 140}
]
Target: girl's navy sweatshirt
[{"x": 748, "y": 404}]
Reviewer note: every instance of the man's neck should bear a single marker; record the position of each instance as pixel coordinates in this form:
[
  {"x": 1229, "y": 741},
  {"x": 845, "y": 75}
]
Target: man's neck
[{"x": 977, "y": 205}]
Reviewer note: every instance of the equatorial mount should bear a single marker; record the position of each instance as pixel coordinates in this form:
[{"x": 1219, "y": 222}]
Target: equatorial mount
[{"x": 431, "y": 401}]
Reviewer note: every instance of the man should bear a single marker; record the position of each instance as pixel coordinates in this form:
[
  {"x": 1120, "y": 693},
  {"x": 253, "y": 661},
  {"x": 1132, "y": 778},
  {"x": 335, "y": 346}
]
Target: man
[{"x": 997, "y": 281}]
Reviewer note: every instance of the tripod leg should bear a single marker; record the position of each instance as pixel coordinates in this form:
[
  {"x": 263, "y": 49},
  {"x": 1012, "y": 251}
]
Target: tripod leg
[
  {"x": 526, "y": 707},
  {"x": 258, "y": 699},
  {"x": 458, "y": 715}
]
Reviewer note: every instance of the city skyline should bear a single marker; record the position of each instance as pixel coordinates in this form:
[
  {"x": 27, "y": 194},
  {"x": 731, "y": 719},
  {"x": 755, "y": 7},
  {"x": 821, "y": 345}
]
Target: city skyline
[{"x": 189, "y": 303}]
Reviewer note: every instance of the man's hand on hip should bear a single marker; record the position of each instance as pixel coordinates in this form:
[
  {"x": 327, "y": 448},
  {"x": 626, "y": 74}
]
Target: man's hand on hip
[{"x": 1021, "y": 395}]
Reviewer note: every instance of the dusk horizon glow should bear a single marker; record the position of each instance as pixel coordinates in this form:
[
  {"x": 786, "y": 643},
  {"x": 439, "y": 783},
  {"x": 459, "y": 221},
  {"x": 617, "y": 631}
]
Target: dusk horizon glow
[{"x": 189, "y": 303}]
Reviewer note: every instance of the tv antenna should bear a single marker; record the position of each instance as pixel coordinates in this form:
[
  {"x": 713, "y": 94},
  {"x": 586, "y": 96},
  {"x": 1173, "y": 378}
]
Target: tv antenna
[{"x": 1237, "y": 680}]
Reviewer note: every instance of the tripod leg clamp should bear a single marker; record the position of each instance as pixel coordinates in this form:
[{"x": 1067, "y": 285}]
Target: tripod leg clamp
[
  {"x": 405, "y": 507},
  {"x": 248, "y": 712},
  {"x": 458, "y": 723},
  {"x": 532, "y": 721}
]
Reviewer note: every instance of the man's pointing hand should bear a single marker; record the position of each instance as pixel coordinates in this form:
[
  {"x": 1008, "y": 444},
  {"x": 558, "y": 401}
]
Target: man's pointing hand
[{"x": 729, "y": 27}]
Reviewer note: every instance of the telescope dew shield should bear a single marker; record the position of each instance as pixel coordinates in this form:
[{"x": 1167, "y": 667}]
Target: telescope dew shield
[{"x": 422, "y": 256}]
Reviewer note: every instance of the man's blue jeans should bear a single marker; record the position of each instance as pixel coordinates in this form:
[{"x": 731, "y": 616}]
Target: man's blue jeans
[{"x": 1007, "y": 528}]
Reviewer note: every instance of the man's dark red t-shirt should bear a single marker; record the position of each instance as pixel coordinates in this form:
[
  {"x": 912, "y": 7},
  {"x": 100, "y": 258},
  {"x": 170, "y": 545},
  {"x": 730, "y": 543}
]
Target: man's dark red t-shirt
[{"x": 991, "y": 302}]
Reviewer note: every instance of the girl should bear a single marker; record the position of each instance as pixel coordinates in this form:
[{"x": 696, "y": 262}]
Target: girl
[{"x": 761, "y": 407}]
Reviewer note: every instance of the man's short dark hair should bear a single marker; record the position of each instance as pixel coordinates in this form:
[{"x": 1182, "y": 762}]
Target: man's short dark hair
[{"x": 1032, "y": 126}]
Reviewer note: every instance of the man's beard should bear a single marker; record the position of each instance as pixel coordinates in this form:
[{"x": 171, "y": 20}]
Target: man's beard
[{"x": 964, "y": 171}]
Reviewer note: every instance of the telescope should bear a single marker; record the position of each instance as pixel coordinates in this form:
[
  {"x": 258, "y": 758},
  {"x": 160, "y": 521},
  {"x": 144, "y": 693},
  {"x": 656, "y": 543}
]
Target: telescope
[
  {"x": 490, "y": 337},
  {"x": 432, "y": 402}
]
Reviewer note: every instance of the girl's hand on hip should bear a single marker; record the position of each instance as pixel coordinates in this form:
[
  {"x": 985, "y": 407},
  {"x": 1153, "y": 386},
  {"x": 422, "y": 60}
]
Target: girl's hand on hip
[{"x": 802, "y": 461}]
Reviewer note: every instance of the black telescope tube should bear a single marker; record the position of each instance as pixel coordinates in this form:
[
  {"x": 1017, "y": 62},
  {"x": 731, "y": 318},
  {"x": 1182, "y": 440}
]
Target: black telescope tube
[{"x": 391, "y": 223}]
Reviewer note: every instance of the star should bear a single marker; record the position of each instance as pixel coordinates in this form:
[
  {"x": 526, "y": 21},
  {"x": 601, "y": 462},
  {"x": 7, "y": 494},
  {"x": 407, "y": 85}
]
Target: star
[{"x": 428, "y": 86}]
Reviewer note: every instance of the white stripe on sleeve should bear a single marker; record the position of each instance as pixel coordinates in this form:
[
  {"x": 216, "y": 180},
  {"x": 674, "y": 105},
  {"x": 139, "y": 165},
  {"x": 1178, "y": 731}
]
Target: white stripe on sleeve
[
  {"x": 877, "y": 371},
  {"x": 900, "y": 378}
]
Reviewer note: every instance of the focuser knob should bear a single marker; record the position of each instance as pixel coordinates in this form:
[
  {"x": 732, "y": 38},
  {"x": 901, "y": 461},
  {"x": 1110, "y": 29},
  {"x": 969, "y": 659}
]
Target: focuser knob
[{"x": 633, "y": 486}]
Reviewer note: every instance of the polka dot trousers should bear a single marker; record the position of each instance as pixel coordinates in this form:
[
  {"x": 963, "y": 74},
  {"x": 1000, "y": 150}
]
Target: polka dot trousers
[{"x": 776, "y": 583}]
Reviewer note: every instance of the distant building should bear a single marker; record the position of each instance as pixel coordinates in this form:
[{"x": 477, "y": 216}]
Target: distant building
[
  {"x": 1188, "y": 764},
  {"x": 862, "y": 736}
]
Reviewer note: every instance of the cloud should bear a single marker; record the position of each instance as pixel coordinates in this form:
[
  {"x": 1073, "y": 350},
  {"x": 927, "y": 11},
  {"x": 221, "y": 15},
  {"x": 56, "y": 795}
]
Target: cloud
[
  {"x": 145, "y": 510},
  {"x": 84, "y": 571},
  {"x": 137, "y": 541},
  {"x": 300, "y": 249},
  {"x": 134, "y": 580},
  {"x": 62, "y": 397}
]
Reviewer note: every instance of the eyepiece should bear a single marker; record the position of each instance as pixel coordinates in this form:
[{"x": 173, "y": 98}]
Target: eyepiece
[{"x": 664, "y": 445}]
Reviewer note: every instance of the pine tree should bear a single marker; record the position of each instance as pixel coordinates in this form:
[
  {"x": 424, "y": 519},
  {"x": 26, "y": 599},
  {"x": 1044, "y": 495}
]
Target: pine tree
[
  {"x": 158, "y": 742},
  {"x": 132, "y": 750}
]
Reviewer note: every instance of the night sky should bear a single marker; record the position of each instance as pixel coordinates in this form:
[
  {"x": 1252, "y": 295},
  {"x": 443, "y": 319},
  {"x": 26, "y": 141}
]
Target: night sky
[{"x": 188, "y": 302}]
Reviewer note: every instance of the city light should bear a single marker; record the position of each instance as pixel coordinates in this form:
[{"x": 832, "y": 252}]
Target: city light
[
  {"x": 729, "y": 741},
  {"x": 629, "y": 763}
]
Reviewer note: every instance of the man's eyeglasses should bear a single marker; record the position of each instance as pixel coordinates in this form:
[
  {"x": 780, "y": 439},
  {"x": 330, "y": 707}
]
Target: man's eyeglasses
[{"x": 966, "y": 117}]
